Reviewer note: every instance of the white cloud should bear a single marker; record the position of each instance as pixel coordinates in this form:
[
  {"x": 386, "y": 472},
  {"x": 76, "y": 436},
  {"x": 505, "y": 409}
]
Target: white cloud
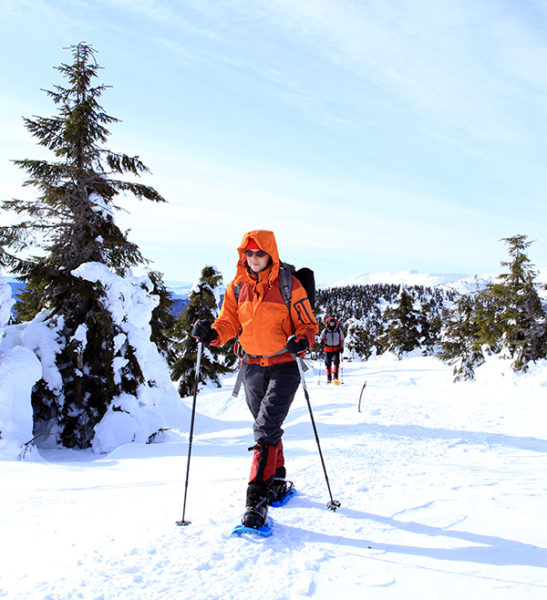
[{"x": 463, "y": 64}]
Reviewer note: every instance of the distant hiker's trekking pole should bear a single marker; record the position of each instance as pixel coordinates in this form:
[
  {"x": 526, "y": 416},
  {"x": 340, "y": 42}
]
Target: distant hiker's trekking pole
[
  {"x": 319, "y": 376},
  {"x": 333, "y": 504},
  {"x": 191, "y": 436},
  {"x": 361, "y": 395}
]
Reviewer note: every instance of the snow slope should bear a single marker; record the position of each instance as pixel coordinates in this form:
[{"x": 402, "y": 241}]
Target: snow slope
[{"x": 442, "y": 488}]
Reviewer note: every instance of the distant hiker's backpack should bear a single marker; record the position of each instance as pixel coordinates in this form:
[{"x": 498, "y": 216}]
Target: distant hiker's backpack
[{"x": 304, "y": 275}]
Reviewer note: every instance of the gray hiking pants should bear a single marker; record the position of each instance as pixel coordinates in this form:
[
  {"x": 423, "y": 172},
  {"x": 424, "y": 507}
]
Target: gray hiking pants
[{"x": 270, "y": 392}]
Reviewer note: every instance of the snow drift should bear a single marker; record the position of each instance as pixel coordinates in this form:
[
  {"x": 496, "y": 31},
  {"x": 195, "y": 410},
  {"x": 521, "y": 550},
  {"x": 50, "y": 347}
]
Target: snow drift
[{"x": 27, "y": 354}]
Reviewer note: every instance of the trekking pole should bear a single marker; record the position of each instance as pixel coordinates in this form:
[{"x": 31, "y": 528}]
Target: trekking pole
[
  {"x": 191, "y": 437},
  {"x": 319, "y": 376},
  {"x": 333, "y": 504}
]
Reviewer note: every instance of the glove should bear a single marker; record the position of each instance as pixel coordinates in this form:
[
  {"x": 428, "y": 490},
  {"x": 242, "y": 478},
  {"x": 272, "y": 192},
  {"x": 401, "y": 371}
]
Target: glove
[
  {"x": 203, "y": 332},
  {"x": 297, "y": 344}
]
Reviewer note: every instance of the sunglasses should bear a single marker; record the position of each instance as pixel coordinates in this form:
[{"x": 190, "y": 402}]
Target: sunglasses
[{"x": 259, "y": 253}]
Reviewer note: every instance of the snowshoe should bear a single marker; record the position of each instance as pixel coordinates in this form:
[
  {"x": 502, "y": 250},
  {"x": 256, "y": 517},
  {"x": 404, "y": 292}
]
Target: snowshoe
[
  {"x": 254, "y": 517},
  {"x": 328, "y": 382},
  {"x": 279, "y": 490},
  {"x": 336, "y": 382},
  {"x": 264, "y": 530},
  {"x": 285, "y": 498}
]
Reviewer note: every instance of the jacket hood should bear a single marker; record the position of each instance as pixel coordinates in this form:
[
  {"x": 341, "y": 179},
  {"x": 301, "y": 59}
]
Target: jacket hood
[{"x": 266, "y": 241}]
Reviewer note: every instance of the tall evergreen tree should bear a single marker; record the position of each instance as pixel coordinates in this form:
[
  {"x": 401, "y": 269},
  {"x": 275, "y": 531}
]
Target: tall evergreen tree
[
  {"x": 71, "y": 222},
  {"x": 215, "y": 362},
  {"x": 430, "y": 323},
  {"x": 461, "y": 341},
  {"x": 401, "y": 334},
  {"x": 519, "y": 315}
]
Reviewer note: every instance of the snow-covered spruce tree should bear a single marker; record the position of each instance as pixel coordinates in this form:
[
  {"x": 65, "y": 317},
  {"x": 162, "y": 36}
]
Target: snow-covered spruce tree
[
  {"x": 162, "y": 317},
  {"x": 401, "y": 330},
  {"x": 215, "y": 362},
  {"x": 518, "y": 313},
  {"x": 71, "y": 223},
  {"x": 461, "y": 339},
  {"x": 430, "y": 323},
  {"x": 359, "y": 342}
]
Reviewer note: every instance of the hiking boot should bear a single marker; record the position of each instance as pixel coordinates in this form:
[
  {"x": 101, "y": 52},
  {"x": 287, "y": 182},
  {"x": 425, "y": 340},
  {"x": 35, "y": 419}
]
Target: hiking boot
[
  {"x": 257, "y": 506},
  {"x": 255, "y": 516},
  {"x": 336, "y": 382}
]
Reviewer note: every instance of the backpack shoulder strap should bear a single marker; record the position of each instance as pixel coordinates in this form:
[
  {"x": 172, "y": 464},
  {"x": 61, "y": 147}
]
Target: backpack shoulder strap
[
  {"x": 285, "y": 284},
  {"x": 236, "y": 289}
]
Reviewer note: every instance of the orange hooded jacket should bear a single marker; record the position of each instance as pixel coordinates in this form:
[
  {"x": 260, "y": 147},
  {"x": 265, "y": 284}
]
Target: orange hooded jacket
[{"x": 260, "y": 318}]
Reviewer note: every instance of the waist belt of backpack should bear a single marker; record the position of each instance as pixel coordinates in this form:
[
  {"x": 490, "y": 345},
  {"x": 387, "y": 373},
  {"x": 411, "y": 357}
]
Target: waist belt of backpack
[{"x": 245, "y": 360}]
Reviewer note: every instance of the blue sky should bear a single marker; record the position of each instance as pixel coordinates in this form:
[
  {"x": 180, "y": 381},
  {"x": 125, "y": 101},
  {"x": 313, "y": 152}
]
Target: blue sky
[{"x": 368, "y": 135}]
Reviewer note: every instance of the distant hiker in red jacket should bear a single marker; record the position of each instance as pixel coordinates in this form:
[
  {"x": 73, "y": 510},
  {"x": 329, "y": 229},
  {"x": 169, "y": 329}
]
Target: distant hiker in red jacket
[
  {"x": 271, "y": 335},
  {"x": 332, "y": 339}
]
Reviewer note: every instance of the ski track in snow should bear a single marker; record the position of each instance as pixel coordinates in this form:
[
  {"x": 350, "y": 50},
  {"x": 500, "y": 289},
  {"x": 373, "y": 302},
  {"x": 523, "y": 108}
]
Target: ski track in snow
[{"x": 442, "y": 488}]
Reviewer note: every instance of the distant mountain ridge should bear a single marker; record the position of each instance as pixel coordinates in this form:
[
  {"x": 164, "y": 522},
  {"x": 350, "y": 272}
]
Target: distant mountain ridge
[
  {"x": 412, "y": 277},
  {"x": 458, "y": 282}
]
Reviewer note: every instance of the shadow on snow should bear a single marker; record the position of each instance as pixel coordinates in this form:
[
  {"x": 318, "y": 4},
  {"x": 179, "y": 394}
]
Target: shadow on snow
[{"x": 485, "y": 549}]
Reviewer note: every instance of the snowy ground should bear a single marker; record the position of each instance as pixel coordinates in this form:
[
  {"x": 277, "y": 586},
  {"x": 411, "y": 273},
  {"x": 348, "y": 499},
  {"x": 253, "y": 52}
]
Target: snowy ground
[{"x": 443, "y": 489}]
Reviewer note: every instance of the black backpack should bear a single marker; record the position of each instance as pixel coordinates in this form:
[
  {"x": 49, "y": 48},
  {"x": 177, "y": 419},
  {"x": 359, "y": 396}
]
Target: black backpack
[{"x": 304, "y": 275}]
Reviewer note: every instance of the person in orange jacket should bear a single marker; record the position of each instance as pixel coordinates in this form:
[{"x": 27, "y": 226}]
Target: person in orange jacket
[{"x": 271, "y": 336}]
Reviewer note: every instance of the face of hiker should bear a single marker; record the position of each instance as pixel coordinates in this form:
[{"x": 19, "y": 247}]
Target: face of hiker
[{"x": 257, "y": 260}]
